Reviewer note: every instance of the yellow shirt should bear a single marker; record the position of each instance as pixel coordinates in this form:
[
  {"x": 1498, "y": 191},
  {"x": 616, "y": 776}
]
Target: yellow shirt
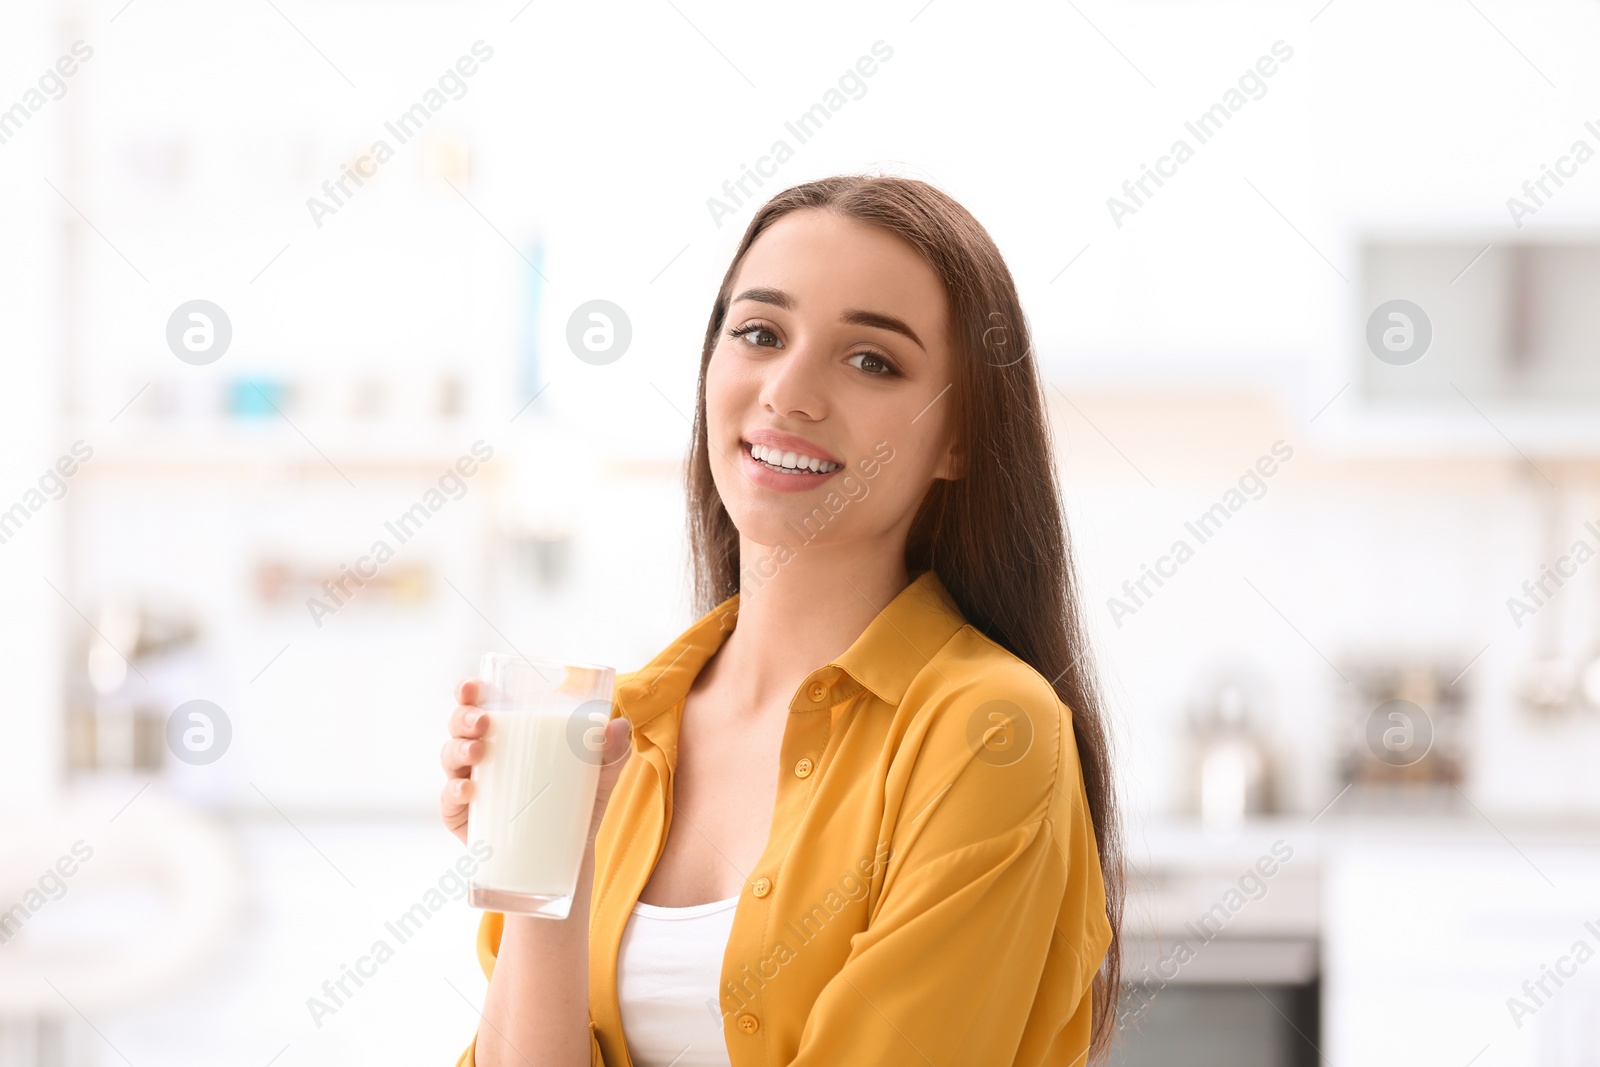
[{"x": 930, "y": 892}]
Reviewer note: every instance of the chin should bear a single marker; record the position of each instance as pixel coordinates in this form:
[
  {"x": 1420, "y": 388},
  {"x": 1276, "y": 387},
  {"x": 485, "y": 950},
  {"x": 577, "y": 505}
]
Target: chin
[{"x": 765, "y": 523}]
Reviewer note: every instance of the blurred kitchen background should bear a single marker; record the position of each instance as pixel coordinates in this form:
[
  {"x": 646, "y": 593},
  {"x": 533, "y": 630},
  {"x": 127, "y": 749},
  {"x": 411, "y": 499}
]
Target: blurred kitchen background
[{"x": 1325, "y": 391}]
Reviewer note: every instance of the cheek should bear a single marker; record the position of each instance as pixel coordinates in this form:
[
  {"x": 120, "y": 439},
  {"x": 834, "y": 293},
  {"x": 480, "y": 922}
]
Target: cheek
[
  {"x": 904, "y": 479},
  {"x": 727, "y": 406},
  {"x": 725, "y": 393},
  {"x": 896, "y": 491}
]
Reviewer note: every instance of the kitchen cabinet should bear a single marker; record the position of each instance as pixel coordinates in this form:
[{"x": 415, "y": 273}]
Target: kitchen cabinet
[
  {"x": 1385, "y": 939},
  {"x": 1443, "y": 939}
]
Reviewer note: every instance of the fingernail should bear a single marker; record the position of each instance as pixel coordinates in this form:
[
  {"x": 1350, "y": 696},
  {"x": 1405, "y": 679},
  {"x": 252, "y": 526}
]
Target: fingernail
[{"x": 473, "y": 717}]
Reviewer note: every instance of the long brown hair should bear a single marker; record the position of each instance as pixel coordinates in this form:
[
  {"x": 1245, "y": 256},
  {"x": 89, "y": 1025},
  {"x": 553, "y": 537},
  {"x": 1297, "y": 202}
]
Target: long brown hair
[{"x": 996, "y": 536}]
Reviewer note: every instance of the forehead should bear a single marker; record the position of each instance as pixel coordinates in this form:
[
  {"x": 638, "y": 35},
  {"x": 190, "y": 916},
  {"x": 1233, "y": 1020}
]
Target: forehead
[{"x": 828, "y": 262}]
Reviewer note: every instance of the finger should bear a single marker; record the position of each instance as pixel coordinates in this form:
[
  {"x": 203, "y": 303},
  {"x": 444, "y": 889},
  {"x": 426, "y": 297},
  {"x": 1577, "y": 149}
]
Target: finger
[
  {"x": 458, "y": 756},
  {"x": 468, "y": 721},
  {"x": 457, "y": 794},
  {"x": 453, "y": 801},
  {"x": 467, "y": 691},
  {"x": 619, "y": 742}
]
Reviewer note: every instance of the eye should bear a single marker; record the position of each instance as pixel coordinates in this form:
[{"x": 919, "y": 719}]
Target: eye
[
  {"x": 873, "y": 364},
  {"x": 753, "y": 328}
]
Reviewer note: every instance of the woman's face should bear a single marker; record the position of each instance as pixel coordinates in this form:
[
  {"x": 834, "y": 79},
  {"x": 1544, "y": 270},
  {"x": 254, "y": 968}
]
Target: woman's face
[{"x": 827, "y": 396}]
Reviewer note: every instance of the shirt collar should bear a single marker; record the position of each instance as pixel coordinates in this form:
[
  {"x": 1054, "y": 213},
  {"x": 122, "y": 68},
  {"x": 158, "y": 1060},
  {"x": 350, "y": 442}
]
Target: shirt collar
[{"x": 891, "y": 651}]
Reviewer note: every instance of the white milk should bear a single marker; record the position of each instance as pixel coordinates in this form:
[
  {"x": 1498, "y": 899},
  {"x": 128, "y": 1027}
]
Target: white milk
[{"x": 532, "y": 803}]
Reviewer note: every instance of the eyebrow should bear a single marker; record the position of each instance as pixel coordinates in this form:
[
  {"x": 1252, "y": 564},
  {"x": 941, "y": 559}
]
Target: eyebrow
[{"x": 853, "y": 316}]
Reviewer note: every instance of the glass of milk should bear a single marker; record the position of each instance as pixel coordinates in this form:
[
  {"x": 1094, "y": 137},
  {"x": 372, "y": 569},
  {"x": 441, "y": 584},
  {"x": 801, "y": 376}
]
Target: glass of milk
[{"x": 535, "y": 786}]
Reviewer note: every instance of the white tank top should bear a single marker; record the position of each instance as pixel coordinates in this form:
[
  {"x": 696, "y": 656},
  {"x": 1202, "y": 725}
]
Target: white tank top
[{"x": 669, "y": 967}]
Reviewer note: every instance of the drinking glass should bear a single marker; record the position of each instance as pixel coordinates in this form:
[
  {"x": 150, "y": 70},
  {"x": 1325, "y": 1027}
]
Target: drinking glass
[{"x": 535, "y": 786}]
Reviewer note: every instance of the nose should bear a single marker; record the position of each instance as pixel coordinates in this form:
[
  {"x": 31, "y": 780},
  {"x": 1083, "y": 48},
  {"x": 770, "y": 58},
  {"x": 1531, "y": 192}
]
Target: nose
[{"x": 794, "y": 385}]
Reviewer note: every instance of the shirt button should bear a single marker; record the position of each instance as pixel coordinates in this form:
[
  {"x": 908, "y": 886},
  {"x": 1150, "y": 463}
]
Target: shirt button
[
  {"x": 818, "y": 691},
  {"x": 748, "y": 1023},
  {"x": 803, "y": 768},
  {"x": 761, "y": 887}
]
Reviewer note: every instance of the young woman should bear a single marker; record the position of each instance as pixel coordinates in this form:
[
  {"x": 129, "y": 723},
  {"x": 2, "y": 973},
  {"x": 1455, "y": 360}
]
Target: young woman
[{"x": 866, "y": 814}]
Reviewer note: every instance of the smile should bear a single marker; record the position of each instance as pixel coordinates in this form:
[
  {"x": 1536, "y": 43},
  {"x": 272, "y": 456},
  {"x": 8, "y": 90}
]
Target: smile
[{"x": 790, "y": 464}]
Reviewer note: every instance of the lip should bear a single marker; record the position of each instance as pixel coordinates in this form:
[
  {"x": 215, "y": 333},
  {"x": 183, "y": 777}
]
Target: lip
[
  {"x": 788, "y": 442},
  {"x": 765, "y": 477}
]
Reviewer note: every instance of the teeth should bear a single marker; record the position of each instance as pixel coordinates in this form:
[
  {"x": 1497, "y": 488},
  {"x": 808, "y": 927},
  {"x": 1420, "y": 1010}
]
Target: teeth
[{"x": 795, "y": 461}]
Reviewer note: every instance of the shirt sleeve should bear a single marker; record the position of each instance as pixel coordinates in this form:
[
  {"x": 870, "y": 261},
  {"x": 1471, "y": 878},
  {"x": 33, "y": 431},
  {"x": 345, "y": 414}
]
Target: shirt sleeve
[
  {"x": 489, "y": 930},
  {"x": 976, "y": 948}
]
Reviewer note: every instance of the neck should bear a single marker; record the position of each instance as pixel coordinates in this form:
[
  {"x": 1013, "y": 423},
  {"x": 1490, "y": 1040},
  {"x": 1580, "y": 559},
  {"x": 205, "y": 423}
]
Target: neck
[{"x": 799, "y": 609}]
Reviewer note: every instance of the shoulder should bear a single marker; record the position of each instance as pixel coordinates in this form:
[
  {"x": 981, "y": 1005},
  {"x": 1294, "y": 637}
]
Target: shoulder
[{"x": 986, "y": 720}]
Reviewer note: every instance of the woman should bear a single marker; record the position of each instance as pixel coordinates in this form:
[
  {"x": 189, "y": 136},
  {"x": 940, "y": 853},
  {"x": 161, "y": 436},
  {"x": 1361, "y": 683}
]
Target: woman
[{"x": 866, "y": 813}]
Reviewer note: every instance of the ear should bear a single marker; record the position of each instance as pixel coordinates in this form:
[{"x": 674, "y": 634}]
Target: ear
[{"x": 952, "y": 464}]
